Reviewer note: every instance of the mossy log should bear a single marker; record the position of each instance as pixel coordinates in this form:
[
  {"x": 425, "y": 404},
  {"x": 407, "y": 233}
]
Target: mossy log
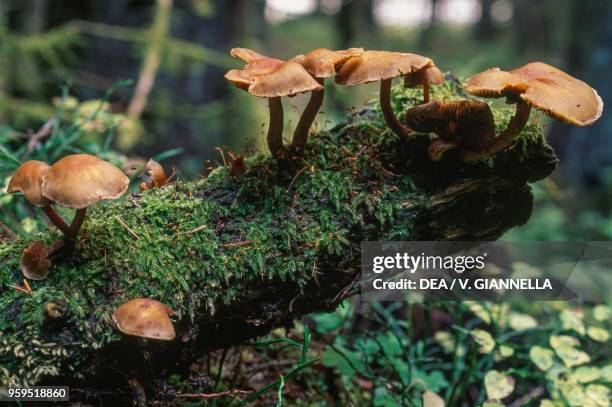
[{"x": 237, "y": 256}]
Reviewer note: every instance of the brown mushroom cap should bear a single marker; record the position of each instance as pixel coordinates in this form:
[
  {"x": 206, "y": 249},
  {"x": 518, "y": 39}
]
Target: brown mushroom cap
[
  {"x": 544, "y": 87},
  {"x": 287, "y": 80},
  {"x": 242, "y": 78},
  {"x": 470, "y": 123},
  {"x": 28, "y": 180},
  {"x": 80, "y": 180},
  {"x": 146, "y": 318},
  {"x": 322, "y": 62},
  {"x": 431, "y": 75},
  {"x": 377, "y": 65},
  {"x": 248, "y": 55},
  {"x": 34, "y": 261}
]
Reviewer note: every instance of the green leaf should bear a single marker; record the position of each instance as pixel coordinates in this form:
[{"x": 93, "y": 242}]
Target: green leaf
[
  {"x": 598, "y": 334},
  {"x": 572, "y": 321},
  {"x": 572, "y": 356},
  {"x": 498, "y": 385},
  {"x": 542, "y": 357},
  {"x": 602, "y": 313},
  {"x": 520, "y": 322},
  {"x": 484, "y": 339},
  {"x": 431, "y": 399}
]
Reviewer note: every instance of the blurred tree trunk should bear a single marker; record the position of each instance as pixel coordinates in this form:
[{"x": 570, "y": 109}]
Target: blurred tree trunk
[
  {"x": 530, "y": 27},
  {"x": 586, "y": 151},
  {"x": 485, "y": 29},
  {"x": 354, "y": 16},
  {"x": 427, "y": 31}
]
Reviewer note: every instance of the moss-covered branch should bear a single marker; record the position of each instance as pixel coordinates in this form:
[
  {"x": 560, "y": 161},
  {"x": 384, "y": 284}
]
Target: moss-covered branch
[{"x": 236, "y": 256}]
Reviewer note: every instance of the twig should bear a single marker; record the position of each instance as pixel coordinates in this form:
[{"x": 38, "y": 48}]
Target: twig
[
  {"x": 295, "y": 178},
  {"x": 194, "y": 230},
  {"x": 146, "y": 78},
  {"x": 226, "y": 393},
  {"x": 35, "y": 138},
  {"x": 21, "y": 289},
  {"x": 127, "y": 227},
  {"x": 238, "y": 244},
  {"x": 536, "y": 392}
]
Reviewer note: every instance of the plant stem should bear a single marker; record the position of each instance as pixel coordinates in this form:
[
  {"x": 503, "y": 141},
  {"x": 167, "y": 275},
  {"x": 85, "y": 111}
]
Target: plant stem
[
  {"x": 275, "y": 129},
  {"x": 385, "y": 105},
  {"x": 57, "y": 220},
  {"x": 300, "y": 136}
]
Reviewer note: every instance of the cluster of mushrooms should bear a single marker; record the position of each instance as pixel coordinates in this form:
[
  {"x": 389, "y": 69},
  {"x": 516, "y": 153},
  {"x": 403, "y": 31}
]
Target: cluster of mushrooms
[
  {"x": 79, "y": 181},
  {"x": 466, "y": 126}
]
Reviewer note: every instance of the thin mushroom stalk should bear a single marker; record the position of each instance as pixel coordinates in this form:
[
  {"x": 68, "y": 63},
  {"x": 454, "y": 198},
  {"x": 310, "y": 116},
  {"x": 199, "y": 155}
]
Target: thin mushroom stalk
[
  {"x": 275, "y": 129},
  {"x": 516, "y": 124},
  {"x": 77, "y": 222},
  {"x": 385, "y": 105},
  {"x": 56, "y": 219},
  {"x": 300, "y": 136},
  {"x": 425, "y": 92}
]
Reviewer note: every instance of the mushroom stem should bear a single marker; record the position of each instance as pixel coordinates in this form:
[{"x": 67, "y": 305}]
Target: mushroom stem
[
  {"x": 517, "y": 123},
  {"x": 425, "y": 93},
  {"x": 77, "y": 222},
  {"x": 275, "y": 129},
  {"x": 385, "y": 105},
  {"x": 300, "y": 136},
  {"x": 57, "y": 220}
]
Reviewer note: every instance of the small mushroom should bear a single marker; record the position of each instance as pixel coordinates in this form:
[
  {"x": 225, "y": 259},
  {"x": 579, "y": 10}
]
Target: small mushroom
[
  {"x": 34, "y": 262},
  {"x": 538, "y": 85},
  {"x": 466, "y": 125},
  {"x": 288, "y": 79},
  {"x": 28, "y": 180},
  {"x": 424, "y": 77},
  {"x": 146, "y": 318},
  {"x": 382, "y": 66},
  {"x": 320, "y": 63},
  {"x": 154, "y": 176},
  {"x": 79, "y": 181}
]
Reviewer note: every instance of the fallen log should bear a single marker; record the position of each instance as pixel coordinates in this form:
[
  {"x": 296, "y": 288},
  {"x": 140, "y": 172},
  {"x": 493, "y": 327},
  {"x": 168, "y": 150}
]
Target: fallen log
[{"x": 236, "y": 256}]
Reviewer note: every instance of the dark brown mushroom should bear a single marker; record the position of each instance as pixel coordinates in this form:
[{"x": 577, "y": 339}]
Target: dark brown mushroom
[{"x": 466, "y": 125}]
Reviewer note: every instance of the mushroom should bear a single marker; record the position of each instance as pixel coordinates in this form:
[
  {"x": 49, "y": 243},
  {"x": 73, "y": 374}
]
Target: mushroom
[
  {"x": 288, "y": 79},
  {"x": 28, "y": 180},
  {"x": 154, "y": 176},
  {"x": 424, "y": 77},
  {"x": 466, "y": 125},
  {"x": 382, "y": 66},
  {"x": 538, "y": 85},
  {"x": 79, "y": 181},
  {"x": 34, "y": 262},
  {"x": 248, "y": 55},
  {"x": 320, "y": 63},
  {"x": 146, "y": 318}
]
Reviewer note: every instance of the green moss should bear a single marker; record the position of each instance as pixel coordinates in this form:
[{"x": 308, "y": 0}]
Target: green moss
[{"x": 178, "y": 244}]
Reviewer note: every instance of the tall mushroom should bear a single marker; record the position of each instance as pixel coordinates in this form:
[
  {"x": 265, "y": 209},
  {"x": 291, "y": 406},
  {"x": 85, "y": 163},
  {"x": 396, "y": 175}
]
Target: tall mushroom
[
  {"x": 382, "y": 66},
  {"x": 320, "y": 63},
  {"x": 28, "y": 180},
  {"x": 146, "y": 318},
  {"x": 538, "y": 85},
  {"x": 466, "y": 125},
  {"x": 288, "y": 79},
  {"x": 79, "y": 181},
  {"x": 424, "y": 77}
]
